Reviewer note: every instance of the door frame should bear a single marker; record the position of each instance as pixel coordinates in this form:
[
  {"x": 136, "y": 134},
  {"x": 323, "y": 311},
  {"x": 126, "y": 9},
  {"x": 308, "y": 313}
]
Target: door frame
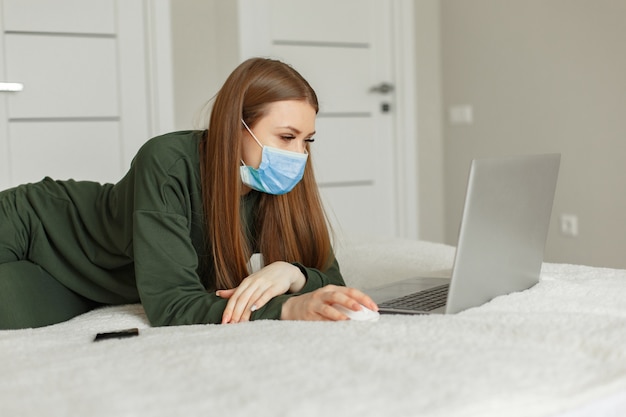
[
  {"x": 160, "y": 71},
  {"x": 405, "y": 122}
]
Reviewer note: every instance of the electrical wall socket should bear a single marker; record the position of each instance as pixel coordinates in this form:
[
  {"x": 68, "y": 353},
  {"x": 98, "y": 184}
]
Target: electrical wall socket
[{"x": 569, "y": 225}]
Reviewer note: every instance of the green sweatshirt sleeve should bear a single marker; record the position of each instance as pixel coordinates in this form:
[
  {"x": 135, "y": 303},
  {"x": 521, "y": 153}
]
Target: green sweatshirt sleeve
[
  {"x": 317, "y": 279},
  {"x": 166, "y": 260},
  {"x": 165, "y": 267}
]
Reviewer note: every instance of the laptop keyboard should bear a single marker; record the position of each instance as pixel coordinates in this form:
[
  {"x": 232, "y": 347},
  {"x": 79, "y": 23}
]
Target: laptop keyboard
[{"x": 425, "y": 300}]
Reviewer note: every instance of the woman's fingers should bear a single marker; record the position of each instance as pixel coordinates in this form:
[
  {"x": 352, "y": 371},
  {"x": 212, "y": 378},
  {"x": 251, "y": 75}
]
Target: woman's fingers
[
  {"x": 242, "y": 307},
  {"x": 318, "y": 305},
  {"x": 363, "y": 299},
  {"x": 257, "y": 289},
  {"x": 225, "y": 293},
  {"x": 247, "y": 298},
  {"x": 348, "y": 297},
  {"x": 329, "y": 312},
  {"x": 232, "y": 312}
]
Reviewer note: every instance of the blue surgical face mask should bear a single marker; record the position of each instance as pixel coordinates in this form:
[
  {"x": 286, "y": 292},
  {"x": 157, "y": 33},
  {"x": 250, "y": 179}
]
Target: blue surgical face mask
[{"x": 278, "y": 172}]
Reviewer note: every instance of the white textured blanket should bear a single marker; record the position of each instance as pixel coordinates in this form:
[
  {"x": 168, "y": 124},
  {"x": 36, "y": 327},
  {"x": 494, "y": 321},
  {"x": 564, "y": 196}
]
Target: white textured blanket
[{"x": 556, "y": 349}]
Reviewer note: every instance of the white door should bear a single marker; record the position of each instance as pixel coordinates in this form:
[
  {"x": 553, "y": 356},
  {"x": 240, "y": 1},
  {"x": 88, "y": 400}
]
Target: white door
[
  {"x": 83, "y": 111},
  {"x": 344, "y": 49}
]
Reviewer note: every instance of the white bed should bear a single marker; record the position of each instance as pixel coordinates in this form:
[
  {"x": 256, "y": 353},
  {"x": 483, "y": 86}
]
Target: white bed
[{"x": 557, "y": 349}]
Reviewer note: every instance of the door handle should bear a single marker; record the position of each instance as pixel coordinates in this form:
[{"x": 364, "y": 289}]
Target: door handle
[
  {"x": 11, "y": 87},
  {"x": 382, "y": 88}
]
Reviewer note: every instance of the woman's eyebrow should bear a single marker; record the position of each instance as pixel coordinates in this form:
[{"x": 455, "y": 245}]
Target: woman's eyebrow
[{"x": 295, "y": 131}]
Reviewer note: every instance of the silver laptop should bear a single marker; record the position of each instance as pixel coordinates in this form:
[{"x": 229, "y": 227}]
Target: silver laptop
[{"x": 501, "y": 242}]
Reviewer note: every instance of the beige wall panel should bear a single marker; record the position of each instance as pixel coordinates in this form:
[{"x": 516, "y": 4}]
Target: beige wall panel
[
  {"x": 320, "y": 20},
  {"x": 338, "y": 86},
  {"x": 543, "y": 76},
  {"x": 60, "y": 16},
  {"x": 63, "y": 150},
  {"x": 63, "y": 76}
]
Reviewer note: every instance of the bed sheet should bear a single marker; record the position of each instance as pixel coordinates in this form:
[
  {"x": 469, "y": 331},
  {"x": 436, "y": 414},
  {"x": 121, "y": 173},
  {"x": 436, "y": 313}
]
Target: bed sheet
[{"x": 553, "y": 350}]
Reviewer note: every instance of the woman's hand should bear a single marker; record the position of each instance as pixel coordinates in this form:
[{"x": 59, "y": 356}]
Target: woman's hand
[
  {"x": 318, "y": 305},
  {"x": 257, "y": 289}
]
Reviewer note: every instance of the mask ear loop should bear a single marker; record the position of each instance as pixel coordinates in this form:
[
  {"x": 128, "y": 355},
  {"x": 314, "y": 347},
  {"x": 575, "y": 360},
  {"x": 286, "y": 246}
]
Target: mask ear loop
[
  {"x": 252, "y": 134},
  {"x": 253, "y": 137}
]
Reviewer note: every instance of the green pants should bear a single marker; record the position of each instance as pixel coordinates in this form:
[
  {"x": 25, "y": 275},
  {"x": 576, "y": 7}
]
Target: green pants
[{"x": 29, "y": 296}]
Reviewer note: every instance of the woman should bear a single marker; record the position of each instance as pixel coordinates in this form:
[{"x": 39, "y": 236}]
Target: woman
[{"x": 178, "y": 231}]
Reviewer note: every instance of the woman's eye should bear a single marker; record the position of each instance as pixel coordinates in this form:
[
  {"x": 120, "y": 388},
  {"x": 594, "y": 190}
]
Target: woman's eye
[
  {"x": 310, "y": 140},
  {"x": 287, "y": 137}
]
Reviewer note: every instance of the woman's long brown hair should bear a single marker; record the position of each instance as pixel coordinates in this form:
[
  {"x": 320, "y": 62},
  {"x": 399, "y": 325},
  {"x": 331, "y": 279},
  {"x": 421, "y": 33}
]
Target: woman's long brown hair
[{"x": 291, "y": 227}]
